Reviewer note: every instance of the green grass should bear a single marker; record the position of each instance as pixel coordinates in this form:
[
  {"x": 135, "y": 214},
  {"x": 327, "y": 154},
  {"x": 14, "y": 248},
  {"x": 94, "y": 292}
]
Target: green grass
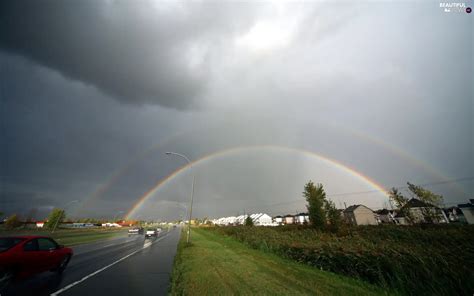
[
  {"x": 70, "y": 237},
  {"x": 219, "y": 265},
  {"x": 413, "y": 260}
]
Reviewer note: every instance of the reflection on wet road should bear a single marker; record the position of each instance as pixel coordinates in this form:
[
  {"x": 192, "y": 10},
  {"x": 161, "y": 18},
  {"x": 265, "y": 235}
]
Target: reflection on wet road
[{"x": 115, "y": 265}]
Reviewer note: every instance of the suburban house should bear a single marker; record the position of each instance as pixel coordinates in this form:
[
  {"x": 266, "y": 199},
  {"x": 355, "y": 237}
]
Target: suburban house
[
  {"x": 225, "y": 221},
  {"x": 111, "y": 225},
  {"x": 240, "y": 220},
  {"x": 467, "y": 210},
  {"x": 288, "y": 219},
  {"x": 416, "y": 208},
  {"x": 259, "y": 219},
  {"x": 278, "y": 220},
  {"x": 262, "y": 219},
  {"x": 80, "y": 225},
  {"x": 454, "y": 215},
  {"x": 301, "y": 218},
  {"x": 385, "y": 216},
  {"x": 359, "y": 215}
]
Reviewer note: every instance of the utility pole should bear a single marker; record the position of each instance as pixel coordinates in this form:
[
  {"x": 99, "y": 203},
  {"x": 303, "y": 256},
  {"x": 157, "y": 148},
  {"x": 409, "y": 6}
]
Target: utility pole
[
  {"x": 188, "y": 235},
  {"x": 63, "y": 211}
]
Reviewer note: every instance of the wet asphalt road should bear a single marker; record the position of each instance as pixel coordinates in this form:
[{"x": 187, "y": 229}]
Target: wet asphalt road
[{"x": 129, "y": 265}]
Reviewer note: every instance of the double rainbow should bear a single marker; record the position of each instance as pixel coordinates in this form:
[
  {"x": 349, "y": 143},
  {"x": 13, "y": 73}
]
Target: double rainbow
[{"x": 228, "y": 152}]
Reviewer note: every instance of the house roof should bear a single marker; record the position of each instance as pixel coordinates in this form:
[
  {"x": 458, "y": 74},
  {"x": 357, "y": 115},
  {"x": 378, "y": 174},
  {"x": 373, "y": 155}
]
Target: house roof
[
  {"x": 382, "y": 212},
  {"x": 466, "y": 205},
  {"x": 255, "y": 217},
  {"x": 278, "y": 216},
  {"x": 288, "y": 216},
  {"x": 454, "y": 210},
  {"x": 400, "y": 215},
  {"x": 302, "y": 214},
  {"x": 353, "y": 207}
]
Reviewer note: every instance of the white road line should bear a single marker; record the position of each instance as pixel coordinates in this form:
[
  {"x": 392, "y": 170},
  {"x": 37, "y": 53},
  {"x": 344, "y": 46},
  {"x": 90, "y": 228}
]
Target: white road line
[
  {"x": 103, "y": 247},
  {"x": 104, "y": 268}
]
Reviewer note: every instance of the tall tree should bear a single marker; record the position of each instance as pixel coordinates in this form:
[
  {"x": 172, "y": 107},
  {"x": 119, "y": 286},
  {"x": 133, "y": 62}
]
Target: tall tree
[
  {"x": 399, "y": 201},
  {"x": 315, "y": 197},
  {"x": 430, "y": 214},
  {"x": 55, "y": 218},
  {"x": 12, "y": 222},
  {"x": 248, "y": 221},
  {"x": 333, "y": 215}
]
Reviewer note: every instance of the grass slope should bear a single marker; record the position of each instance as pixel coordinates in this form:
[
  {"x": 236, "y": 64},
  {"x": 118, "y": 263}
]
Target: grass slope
[
  {"x": 218, "y": 265},
  {"x": 413, "y": 260}
]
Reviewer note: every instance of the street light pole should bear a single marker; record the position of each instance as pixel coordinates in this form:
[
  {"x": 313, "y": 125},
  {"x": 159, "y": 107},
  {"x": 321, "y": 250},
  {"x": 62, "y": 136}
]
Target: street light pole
[
  {"x": 188, "y": 234},
  {"x": 62, "y": 213}
]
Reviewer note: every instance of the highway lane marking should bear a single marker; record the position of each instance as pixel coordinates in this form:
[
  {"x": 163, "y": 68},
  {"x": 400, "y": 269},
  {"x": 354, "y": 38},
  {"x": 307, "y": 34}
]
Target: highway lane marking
[
  {"x": 103, "y": 247},
  {"x": 106, "y": 267}
]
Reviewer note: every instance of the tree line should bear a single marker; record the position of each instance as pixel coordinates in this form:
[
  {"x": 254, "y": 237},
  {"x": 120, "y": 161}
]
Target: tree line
[{"x": 324, "y": 215}]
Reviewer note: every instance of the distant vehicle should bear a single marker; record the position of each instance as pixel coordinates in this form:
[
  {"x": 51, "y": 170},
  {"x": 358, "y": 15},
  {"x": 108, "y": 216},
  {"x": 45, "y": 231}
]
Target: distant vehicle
[
  {"x": 158, "y": 230},
  {"x": 151, "y": 233},
  {"x": 136, "y": 230},
  {"x": 24, "y": 256}
]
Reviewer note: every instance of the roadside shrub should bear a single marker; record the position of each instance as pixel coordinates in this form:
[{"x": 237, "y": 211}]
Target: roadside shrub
[{"x": 12, "y": 222}]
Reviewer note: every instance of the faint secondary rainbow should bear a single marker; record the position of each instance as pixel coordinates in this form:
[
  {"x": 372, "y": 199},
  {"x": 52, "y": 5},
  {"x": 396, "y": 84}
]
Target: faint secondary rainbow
[
  {"x": 400, "y": 153},
  {"x": 397, "y": 151},
  {"x": 152, "y": 191},
  {"x": 123, "y": 170}
]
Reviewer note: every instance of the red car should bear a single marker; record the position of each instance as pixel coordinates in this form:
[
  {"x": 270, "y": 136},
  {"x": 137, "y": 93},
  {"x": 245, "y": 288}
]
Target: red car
[{"x": 23, "y": 256}]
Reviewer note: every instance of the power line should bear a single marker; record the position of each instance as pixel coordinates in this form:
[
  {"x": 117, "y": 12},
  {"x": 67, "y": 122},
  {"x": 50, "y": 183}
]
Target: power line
[
  {"x": 378, "y": 190},
  {"x": 404, "y": 187}
]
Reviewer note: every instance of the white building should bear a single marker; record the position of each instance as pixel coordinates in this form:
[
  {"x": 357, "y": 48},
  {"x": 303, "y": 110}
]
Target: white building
[
  {"x": 262, "y": 219},
  {"x": 259, "y": 219},
  {"x": 278, "y": 220},
  {"x": 224, "y": 221},
  {"x": 360, "y": 215},
  {"x": 111, "y": 225},
  {"x": 468, "y": 211},
  {"x": 417, "y": 209},
  {"x": 288, "y": 219},
  {"x": 301, "y": 218}
]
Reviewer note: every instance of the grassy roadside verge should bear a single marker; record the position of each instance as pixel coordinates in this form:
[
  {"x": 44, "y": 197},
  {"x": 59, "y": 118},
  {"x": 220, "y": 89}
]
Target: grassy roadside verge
[
  {"x": 71, "y": 237},
  {"x": 413, "y": 260},
  {"x": 216, "y": 264}
]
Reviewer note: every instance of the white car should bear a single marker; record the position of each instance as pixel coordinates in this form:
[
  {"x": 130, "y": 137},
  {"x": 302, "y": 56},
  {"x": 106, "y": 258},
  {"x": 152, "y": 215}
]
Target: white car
[
  {"x": 136, "y": 230},
  {"x": 158, "y": 230},
  {"x": 150, "y": 233}
]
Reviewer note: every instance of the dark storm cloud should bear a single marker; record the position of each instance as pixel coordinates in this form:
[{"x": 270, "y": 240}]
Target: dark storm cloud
[
  {"x": 60, "y": 139},
  {"x": 25, "y": 198},
  {"x": 137, "y": 53},
  {"x": 26, "y": 204},
  {"x": 86, "y": 87}
]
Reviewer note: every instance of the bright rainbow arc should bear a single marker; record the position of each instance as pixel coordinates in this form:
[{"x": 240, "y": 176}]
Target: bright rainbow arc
[
  {"x": 116, "y": 175},
  {"x": 225, "y": 152}
]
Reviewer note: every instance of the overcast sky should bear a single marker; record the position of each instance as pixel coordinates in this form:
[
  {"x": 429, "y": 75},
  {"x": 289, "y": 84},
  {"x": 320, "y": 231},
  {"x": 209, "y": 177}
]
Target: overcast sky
[{"x": 94, "y": 92}]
